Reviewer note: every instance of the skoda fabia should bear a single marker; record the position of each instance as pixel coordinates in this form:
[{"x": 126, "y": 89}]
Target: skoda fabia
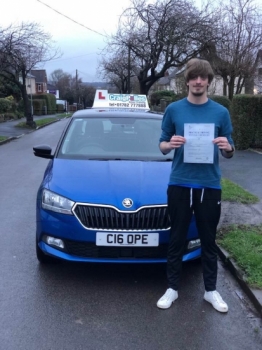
[{"x": 103, "y": 196}]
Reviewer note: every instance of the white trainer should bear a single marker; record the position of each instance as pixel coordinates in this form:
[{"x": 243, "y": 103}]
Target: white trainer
[
  {"x": 216, "y": 300},
  {"x": 167, "y": 299}
]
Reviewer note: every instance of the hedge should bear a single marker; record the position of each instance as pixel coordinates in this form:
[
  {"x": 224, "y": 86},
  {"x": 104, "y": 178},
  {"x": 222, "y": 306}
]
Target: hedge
[
  {"x": 60, "y": 108},
  {"x": 163, "y": 94},
  {"x": 50, "y": 102},
  {"x": 246, "y": 115},
  {"x": 39, "y": 106},
  {"x": 170, "y": 96},
  {"x": 223, "y": 100}
]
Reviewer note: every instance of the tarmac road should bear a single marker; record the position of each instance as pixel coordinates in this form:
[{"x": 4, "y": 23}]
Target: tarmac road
[
  {"x": 245, "y": 169},
  {"x": 99, "y": 307}
]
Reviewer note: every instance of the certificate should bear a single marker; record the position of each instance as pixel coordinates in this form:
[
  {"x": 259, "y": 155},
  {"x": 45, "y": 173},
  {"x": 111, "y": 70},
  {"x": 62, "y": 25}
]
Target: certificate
[{"x": 199, "y": 147}]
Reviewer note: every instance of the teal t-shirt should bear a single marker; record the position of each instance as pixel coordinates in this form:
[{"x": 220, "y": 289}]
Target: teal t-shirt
[{"x": 176, "y": 115}]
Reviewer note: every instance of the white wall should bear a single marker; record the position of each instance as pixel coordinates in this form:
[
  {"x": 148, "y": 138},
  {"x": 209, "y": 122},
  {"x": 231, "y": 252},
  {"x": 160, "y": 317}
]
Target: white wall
[
  {"x": 30, "y": 85},
  {"x": 258, "y": 79}
]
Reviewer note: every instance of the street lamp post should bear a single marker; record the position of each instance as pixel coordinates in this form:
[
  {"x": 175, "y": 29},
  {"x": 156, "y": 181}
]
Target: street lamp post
[
  {"x": 31, "y": 102},
  {"x": 31, "y": 93}
]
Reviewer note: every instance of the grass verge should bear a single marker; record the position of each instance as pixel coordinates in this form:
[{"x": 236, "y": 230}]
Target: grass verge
[
  {"x": 244, "y": 244},
  {"x": 232, "y": 192},
  {"x": 3, "y": 138},
  {"x": 44, "y": 121},
  {"x": 64, "y": 115}
]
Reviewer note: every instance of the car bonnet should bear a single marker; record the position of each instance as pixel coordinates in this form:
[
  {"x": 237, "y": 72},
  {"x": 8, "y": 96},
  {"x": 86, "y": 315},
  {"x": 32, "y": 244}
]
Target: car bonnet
[{"x": 109, "y": 182}]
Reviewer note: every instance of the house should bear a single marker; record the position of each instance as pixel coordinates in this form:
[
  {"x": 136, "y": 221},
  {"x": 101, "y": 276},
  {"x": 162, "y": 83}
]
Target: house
[
  {"x": 40, "y": 80},
  {"x": 165, "y": 83},
  {"x": 30, "y": 84}
]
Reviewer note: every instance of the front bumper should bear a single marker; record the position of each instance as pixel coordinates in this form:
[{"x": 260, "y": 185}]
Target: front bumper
[
  {"x": 65, "y": 256},
  {"x": 80, "y": 243}
]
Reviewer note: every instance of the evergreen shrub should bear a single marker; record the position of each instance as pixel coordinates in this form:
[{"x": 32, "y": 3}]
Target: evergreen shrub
[
  {"x": 223, "y": 100},
  {"x": 5, "y": 105},
  {"x": 246, "y": 115},
  {"x": 60, "y": 108},
  {"x": 39, "y": 106},
  {"x": 50, "y": 102},
  {"x": 20, "y": 106},
  {"x": 159, "y": 95}
]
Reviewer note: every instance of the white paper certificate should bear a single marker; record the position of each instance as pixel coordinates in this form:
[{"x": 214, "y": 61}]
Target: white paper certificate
[{"x": 199, "y": 147}]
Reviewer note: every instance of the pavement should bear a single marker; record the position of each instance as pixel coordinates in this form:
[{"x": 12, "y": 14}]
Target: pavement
[
  {"x": 11, "y": 131},
  {"x": 245, "y": 169}
]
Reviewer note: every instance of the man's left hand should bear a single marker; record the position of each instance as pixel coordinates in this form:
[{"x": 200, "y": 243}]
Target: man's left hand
[{"x": 222, "y": 143}]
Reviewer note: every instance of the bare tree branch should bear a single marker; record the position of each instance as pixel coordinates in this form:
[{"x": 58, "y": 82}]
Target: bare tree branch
[
  {"x": 234, "y": 57},
  {"x": 162, "y": 35}
]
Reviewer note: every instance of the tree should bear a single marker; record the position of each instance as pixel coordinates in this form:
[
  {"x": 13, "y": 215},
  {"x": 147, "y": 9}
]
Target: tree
[
  {"x": 72, "y": 89},
  {"x": 67, "y": 84},
  {"x": 61, "y": 80},
  {"x": 118, "y": 69},
  {"x": 22, "y": 48},
  {"x": 233, "y": 58},
  {"x": 87, "y": 95},
  {"x": 162, "y": 35}
]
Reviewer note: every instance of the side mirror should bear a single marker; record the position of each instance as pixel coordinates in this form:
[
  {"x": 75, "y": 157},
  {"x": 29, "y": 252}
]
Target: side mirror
[{"x": 43, "y": 151}]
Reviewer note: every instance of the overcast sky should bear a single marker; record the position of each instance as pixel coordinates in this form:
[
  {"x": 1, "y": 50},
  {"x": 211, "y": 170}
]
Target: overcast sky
[{"x": 80, "y": 46}]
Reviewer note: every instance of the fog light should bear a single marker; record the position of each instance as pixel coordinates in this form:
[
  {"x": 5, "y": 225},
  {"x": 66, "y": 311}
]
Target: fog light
[
  {"x": 194, "y": 244},
  {"x": 55, "y": 241}
]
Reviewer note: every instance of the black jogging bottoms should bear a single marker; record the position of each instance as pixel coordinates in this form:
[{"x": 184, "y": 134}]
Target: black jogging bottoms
[{"x": 206, "y": 205}]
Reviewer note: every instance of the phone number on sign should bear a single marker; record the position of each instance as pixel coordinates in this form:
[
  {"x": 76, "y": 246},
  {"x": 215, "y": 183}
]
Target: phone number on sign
[{"x": 130, "y": 105}]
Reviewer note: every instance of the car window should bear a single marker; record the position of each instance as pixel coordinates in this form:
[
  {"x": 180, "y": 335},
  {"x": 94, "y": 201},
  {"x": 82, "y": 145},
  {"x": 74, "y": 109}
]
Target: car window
[{"x": 113, "y": 138}]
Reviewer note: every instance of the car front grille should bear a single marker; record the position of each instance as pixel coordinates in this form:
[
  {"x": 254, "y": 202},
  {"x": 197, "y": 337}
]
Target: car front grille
[
  {"x": 91, "y": 250},
  {"x": 100, "y": 217}
]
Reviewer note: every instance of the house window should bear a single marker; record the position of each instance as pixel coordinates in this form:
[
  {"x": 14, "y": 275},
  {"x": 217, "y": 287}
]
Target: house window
[
  {"x": 39, "y": 88},
  {"x": 259, "y": 71}
]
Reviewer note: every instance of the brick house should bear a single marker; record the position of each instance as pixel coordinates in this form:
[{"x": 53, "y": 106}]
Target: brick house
[{"x": 40, "y": 80}]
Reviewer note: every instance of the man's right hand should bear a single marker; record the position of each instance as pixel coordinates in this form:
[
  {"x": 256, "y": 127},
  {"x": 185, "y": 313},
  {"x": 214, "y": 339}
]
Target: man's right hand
[{"x": 176, "y": 141}]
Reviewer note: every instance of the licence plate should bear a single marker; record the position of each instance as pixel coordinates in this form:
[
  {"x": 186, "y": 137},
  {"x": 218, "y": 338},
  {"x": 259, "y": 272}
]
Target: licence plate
[{"x": 127, "y": 239}]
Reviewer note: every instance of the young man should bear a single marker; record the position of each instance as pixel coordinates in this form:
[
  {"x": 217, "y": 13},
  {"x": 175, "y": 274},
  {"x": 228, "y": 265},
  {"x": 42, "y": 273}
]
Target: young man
[{"x": 197, "y": 128}]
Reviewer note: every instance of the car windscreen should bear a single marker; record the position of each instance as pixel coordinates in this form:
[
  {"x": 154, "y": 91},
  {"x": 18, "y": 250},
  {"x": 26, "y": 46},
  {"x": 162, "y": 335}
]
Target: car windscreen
[{"x": 113, "y": 138}]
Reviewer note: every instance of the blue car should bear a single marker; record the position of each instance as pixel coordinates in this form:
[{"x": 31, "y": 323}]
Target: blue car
[{"x": 103, "y": 197}]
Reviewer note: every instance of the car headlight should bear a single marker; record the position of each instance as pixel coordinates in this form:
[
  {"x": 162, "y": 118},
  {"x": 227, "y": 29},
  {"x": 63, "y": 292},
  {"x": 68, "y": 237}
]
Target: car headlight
[{"x": 54, "y": 202}]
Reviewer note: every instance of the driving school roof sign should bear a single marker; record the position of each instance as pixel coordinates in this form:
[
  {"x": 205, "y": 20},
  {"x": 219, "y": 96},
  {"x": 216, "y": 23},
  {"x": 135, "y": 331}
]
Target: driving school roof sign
[{"x": 103, "y": 99}]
